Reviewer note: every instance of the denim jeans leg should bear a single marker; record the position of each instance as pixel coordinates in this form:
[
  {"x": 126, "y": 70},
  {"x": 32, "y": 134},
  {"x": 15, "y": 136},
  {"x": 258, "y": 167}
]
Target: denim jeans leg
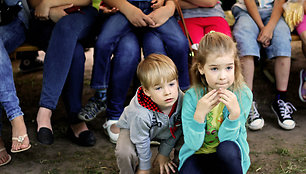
[
  {"x": 151, "y": 43},
  {"x": 72, "y": 92},
  {"x": 123, "y": 69},
  {"x": 11, "y": 36},
  {"x": 115, "y": 27},
  {"x": 65, "y": 35},
  {"x": 176, "y": 46}
]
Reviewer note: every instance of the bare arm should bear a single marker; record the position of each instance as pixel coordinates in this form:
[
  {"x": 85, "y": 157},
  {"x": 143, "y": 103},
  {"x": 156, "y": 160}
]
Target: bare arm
[
  {"x": 162, "y": 14},
  {"x": 253, "y": 11},
  {"x": 42, "y": 8},
  {"x": 186, "y": 4}
]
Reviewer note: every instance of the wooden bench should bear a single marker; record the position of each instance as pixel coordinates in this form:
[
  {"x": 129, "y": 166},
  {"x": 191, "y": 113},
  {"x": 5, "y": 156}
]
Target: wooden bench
[{"x": 24, "y": 47}]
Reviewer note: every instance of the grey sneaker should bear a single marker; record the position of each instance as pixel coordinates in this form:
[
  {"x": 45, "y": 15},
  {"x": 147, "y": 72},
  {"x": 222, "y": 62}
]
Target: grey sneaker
[
  {"x": 255, "y": 121},
  {"x": 93, "y": 108}
]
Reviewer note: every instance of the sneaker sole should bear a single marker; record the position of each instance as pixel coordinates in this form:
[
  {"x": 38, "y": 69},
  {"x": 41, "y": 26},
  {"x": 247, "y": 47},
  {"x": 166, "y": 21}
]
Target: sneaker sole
[
  {"x": 87, "y": 120},
  {"x": 280, "y": 123},
  {"x": 259, "y": 127}
]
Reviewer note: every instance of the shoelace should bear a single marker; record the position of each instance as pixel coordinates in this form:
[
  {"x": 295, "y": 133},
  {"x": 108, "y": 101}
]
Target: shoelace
[
  {"x": 254, "y": 112},
  {"x": 286, "y": 109}
]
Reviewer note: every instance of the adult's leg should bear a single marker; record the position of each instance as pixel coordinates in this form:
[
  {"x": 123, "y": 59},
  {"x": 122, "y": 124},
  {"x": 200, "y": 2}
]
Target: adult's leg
[
  {"x": 110, "y": 34},
  {"x": 176, "y": 46},
  {"x": 11, "y": 36},
  {"x": 72, "y": 95},
  {"x": 123, "y": 68},
  {"x": 65, "y": 35}
]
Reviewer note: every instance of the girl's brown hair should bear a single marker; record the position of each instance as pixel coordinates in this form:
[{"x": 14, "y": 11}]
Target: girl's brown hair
[{"x": 215, "y": 44}]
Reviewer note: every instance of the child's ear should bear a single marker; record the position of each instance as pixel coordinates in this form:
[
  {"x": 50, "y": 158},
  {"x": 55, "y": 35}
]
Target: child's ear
[
  {"x": 146, "y": 92},
  {"x": 201, "y": 69}
]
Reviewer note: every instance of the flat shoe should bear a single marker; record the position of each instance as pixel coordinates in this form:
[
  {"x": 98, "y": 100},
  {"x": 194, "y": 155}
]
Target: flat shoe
[
  {"x": 8, "y": 160},
  {"x": 20, "y": 139},
  {"x": 112, "y": 136},
  {"x": 86, "y": 138},
  {"x": 45, "y": 136}
]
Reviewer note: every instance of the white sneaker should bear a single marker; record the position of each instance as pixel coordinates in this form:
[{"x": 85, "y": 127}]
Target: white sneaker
[
  {"x": 112, "y": 136},
  {"x": 255, "y": 121}
]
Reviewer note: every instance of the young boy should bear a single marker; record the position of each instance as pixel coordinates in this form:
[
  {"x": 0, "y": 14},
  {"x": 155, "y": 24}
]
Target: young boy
[
  {"x": 153, "y": 113},
  {"x": 259, "y": 24}
]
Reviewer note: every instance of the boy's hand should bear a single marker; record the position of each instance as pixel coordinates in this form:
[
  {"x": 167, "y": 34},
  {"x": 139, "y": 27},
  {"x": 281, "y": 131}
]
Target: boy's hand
[
  {"x": 230, "y": 100},
  {"x": 143, "y": 172},
  {"x": 56, "y": 13},
  {"x": 205, "y": 105},
  {"x": 165, "y": 164},
  {"x": 157, "y": 4}
]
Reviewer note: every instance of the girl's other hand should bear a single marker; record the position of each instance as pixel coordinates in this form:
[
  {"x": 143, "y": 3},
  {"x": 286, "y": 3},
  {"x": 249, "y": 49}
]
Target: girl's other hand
[
  {"x": 230, "y": 100},
  {"x": 205, "y": 105},
  {"x": 157, "y": 4}
]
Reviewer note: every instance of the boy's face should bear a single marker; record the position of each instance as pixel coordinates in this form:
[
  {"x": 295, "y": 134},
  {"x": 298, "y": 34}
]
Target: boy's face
[
  {"x": 219, "y": 71},
  {"x": 164, "y": 94}
]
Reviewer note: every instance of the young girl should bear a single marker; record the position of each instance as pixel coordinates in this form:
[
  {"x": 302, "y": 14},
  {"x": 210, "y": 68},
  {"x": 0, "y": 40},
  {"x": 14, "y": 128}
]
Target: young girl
[{"x": 215, "y": 111}]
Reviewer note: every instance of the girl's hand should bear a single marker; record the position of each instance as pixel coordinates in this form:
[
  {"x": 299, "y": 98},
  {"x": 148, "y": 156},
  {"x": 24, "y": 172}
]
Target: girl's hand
[
  {"x": 157, "y": 4},
  {"x": 56, "y": 13},
  {"x": 230, "y": 100},
  {"x": 165, "y": 164},
  {"x": 205, "y": 105}
]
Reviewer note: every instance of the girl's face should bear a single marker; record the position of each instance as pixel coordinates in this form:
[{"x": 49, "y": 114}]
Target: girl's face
[{"x": 219, "y": 71}]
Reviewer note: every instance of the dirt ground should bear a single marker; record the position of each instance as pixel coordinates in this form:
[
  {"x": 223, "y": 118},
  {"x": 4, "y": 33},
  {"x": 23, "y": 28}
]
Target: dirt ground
[{"x": 272, "y": 149}]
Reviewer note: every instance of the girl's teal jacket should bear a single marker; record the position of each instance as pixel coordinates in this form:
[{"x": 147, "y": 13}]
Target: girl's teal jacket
[{"x": 230, "y": 130}]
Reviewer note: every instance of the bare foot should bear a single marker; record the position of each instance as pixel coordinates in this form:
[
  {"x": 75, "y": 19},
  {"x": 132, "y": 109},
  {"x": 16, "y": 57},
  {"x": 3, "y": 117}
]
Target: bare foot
[
  {"x": 44, "y": 118},
  {"x": 115, "y": 129},
  {"x": 304, "y": 87},
  {"x": 4, "y": 156},
  {"x": 20, "y": 139},
  {"x": 78, "y": 128}
]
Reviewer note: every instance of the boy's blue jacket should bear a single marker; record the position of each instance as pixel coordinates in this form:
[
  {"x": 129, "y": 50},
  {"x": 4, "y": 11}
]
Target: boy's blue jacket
[
  {"x": 147, "y": 124},
  {"x": 232, "y": 130}
]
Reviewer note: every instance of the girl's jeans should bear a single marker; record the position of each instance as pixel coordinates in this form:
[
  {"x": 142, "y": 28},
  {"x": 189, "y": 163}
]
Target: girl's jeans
[
  {"x": 116, "y": 74},
  {"x": 11, "y": 36}
]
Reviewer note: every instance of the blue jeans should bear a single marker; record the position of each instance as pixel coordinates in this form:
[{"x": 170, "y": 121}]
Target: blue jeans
[
  {"x": 227, "y": 160},
  {"x": 64, "y": 61},
  {"x": 11, "y": 36},
  {"x": 167, "y": 39},
  {"x": 246, "y": 33}
]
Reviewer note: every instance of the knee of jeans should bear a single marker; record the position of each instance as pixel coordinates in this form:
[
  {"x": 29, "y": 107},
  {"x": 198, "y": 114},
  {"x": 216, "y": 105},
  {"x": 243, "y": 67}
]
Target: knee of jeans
[{"x": 228, "y": 151}]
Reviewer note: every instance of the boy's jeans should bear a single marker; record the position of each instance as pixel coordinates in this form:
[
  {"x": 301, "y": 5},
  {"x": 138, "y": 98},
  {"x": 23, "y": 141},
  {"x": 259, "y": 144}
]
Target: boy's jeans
[
  {"x": 11, "y": 36},
  {"x": 167, "y": 39}
]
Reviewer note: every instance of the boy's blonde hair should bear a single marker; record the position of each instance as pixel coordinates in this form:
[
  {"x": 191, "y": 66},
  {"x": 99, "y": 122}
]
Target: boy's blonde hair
[
  {"x": 156, "y": 69},
  {"x": 216, "y": 44}
]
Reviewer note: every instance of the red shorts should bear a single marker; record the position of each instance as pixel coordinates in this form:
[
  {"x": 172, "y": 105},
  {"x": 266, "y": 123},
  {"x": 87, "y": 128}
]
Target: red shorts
[{"x": 198, "y": 27}]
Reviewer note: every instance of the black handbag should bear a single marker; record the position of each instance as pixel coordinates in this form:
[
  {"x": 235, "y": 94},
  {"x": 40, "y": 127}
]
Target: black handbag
[{"x": 8, "y": 13}]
